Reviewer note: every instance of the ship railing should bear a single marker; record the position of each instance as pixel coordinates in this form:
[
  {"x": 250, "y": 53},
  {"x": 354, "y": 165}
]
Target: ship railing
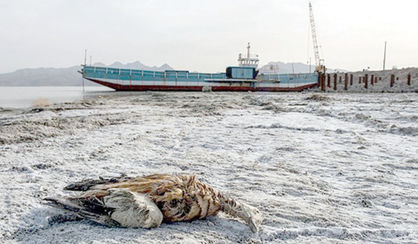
[
  {"x": 290, "y": 78},
  {"x": 132, "y": 74}
]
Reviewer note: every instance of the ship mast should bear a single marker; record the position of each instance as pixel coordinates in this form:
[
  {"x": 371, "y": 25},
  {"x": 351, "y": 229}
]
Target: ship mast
[{"x": 248, "y": 61}]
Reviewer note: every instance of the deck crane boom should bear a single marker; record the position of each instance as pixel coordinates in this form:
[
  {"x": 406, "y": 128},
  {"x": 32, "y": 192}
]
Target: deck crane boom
[{"x": 318, "y": 61}]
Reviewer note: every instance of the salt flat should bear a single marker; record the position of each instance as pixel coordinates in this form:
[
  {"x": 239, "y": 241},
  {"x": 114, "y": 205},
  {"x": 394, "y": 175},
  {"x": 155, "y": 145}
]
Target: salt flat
[{"x": 321, "y": 167}]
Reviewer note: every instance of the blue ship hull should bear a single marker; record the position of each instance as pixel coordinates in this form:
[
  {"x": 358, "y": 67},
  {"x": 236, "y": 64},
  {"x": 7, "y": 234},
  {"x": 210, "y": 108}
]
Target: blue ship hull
[{"x": 171, "y": 80}]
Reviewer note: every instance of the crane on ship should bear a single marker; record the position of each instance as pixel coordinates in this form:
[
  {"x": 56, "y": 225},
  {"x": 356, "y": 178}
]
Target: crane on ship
[{"x": 318, "y": 61}]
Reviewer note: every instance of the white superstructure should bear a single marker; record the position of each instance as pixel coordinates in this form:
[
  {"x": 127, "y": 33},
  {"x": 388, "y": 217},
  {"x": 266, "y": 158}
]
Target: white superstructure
[{"x": 248, "y": 61}]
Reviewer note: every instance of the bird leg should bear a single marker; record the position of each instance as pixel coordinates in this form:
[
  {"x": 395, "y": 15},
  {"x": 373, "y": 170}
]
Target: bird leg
[{"x": 249, "y": 214}]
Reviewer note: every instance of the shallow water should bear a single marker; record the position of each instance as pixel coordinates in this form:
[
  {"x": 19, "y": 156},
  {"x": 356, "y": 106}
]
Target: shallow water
[
  {"x": 23, "y": 97},
  {"x": 321, "y": 167}
]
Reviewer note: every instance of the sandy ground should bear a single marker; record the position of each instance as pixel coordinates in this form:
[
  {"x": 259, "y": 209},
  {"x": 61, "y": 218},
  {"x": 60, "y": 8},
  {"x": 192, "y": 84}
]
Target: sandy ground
[{"x": 337, "y": 168}]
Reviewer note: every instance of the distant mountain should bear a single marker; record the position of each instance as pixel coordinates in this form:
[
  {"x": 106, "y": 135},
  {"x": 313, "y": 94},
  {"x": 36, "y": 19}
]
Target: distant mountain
[
  {"x": 63, "y": 76},
  {"x": 42, "y": 77},
  {"x": 137, "y": 65},
  {"x": 70, "y": 77},
  {"x": 290, "y": 68}
]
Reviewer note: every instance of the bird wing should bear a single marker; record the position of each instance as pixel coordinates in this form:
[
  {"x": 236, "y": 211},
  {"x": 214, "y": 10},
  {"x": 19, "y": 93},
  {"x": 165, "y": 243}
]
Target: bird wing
[
  {"x": 91, "y": 209},
  {"x": 120, "y": 207},
  {"x": 87, "y": 184}
]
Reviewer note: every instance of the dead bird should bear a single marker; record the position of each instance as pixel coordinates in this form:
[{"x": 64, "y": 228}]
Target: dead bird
[{"x": 147, "y": 201}]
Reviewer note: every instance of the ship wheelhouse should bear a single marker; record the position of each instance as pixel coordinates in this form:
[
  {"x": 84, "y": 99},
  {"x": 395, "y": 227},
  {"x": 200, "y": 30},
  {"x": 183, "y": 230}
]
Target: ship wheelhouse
[{"x": 248, "y": 60}]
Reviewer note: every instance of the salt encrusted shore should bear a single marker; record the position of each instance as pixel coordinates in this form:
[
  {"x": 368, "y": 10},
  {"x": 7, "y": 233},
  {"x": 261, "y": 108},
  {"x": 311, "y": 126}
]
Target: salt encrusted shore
[{"x": 321, "y": 167}]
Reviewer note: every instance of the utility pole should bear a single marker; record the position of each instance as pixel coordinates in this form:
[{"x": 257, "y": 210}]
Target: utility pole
[{"x": 384, "y": 58}]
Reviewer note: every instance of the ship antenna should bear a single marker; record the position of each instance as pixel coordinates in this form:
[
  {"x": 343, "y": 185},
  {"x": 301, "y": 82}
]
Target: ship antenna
[
  {"x": 85, "y": 57},
  {"x": 248, "y": 51},
  {"x": 85, "y": 63}
]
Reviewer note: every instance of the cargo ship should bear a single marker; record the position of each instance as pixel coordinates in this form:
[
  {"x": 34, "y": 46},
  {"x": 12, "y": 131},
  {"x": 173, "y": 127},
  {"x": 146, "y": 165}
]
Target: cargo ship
[{"x": 243, "y": 77}]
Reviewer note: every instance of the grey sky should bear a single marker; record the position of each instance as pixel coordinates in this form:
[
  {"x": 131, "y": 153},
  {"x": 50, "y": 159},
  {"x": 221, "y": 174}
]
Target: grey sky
[{"x": 205, "y": 35}]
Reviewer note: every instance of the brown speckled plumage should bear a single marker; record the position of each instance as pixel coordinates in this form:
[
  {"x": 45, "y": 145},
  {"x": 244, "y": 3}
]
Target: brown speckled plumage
[{"x": 179, "y": 198}]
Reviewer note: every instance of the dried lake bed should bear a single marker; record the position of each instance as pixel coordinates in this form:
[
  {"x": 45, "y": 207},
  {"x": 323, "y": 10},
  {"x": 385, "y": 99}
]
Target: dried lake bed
[{"x": 321, "y": 167}]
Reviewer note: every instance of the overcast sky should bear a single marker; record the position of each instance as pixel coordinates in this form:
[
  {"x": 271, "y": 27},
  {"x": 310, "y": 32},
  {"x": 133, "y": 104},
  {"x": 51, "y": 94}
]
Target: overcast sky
[{"x": 206, "y": 35}]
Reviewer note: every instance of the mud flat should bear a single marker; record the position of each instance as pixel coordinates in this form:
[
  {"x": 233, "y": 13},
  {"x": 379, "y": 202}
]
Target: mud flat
[{"x": 321, "y": 167}]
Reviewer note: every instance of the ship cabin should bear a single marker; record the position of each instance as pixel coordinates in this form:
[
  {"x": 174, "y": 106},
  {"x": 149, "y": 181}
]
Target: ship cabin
[{"x": 246, "y": 73}]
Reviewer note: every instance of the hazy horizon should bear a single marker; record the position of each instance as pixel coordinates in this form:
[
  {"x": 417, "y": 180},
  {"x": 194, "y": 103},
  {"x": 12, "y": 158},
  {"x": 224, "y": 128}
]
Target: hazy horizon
[{"x": 205, "y": 36}]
